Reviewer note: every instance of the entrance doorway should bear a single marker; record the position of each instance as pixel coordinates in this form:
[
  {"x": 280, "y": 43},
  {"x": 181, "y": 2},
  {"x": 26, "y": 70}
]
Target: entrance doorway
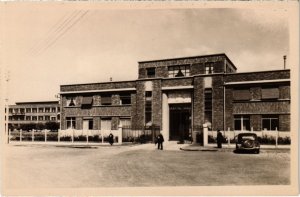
[
  {"x": 180, "y": 121},
  {"x": 87, "y": 124}
]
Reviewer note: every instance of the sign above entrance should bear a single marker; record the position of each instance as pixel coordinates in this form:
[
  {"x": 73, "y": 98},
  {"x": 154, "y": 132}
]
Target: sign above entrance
[{"x": 179, "y": 97}]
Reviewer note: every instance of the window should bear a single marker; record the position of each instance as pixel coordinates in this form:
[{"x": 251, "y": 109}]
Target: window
[
  {"x": 106, "y": 100},
  {"x": 241, "y": 123},
  {"x": 71, "y": 122},
  {"x": 269, "y": 93},
  {"x": 22, "y": 110},
  {"x": 58, "y": 117},
  {"x": 105, "y": 123},
  {"x": 10, "y": 111},
  {"x": 270, "y": 122},
  {"x": 58, "y": 109},
  {"x": 34, "y": 110},
  {"x": 34, "y": 118},
  {"x": 41, "y": 118},
  {"x": 9, "y": 117},
  {"x": 28, "y": 117},
  {"x": 41, "y": 110},
  {"x": 125, "y": 99},
  {"x": 87, "y": 102},
  {"x": 148, "y": 108},
  {"x": 53, "y": 109},
  {"x": 179, "y": 71},
  {"x": 71, "y": 101},
  {"x": 209, "y": 68},
  {"x": 150, "y": 72},
  {"x": 53, "y": 119},
  {"x": 208, "y": 107},
  {"x": 28, "y": 110},
  {"x": 47, "y": 118},
  {"x": 16, "y": 110},
  {"x": 47, "y": 109},
  {"x": 241, "y": 94}
]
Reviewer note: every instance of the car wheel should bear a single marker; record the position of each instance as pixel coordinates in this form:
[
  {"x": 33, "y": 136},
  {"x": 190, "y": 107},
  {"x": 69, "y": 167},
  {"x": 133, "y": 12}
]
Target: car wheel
[{"x": 257, "y": 151}]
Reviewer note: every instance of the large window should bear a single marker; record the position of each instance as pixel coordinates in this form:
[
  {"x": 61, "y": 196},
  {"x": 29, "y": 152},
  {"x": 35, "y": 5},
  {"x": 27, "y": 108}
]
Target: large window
[
  {"x": 106, "y": 123},
  {"x": 179, "y": 71},
  {"x": 270, "y": 122},
  {"x": 208, "y": 107},
  {"x": 125, "y": 99},
  {"x": 148, "y": 108},
  {"x": 28, "y": 110},
  {"x": 242, "y": 123},
  {"x": 150, "y": 72},
  {"x": 209, "y": 68},
  {"x": 242, "y": 94},
  {"x": 71, "y": 122}
]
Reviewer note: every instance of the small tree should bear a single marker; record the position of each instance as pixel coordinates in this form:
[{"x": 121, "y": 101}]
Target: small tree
[
  {"x": 40, "y": 126},
  {"x": 52, "y": 126}
]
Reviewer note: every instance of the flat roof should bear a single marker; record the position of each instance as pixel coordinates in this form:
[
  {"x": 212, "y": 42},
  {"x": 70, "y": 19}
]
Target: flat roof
[
  {"x": 190, "y": 57},
  {"x": 36, "y": 102}
]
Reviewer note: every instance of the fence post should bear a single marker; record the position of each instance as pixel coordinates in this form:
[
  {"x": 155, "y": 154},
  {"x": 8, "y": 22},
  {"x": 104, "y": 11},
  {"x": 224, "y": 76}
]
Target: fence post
[
  {"x": 228, "y": 129},
  {"x": 72, "y": 135},
  {"x": 276, "y": 139},
  {"x": 45, "y": 135},
  {"x": 20, "y": 135},
  {"x": 32, "y": 135},
  {"x": 101, "y": 131},
  {"x": 87, "y": 136}
]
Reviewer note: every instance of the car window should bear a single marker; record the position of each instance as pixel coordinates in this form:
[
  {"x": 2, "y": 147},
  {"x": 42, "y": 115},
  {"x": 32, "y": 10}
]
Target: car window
[{"x": 251, "y": 137}]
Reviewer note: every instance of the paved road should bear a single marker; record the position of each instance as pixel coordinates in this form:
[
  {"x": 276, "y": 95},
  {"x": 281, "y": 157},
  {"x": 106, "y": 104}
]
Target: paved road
[{"x": 37, "y": 166}]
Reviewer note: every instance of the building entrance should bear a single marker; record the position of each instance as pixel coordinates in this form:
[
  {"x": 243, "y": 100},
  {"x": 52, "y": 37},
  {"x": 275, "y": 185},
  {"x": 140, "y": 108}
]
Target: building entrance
[{"x": 180, "y": 121}]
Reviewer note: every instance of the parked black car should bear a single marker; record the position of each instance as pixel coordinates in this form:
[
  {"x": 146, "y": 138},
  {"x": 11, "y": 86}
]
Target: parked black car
[{"x": 247, "y": 142}]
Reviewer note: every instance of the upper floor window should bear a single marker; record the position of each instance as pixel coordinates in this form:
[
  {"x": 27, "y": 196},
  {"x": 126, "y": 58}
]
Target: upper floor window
[
  {"x": 87, "y": 102},
  {"x": 150, "y": 72},
  {"x": 270, "y": 93},
  {"x": 106, "y": 100},
  {"x": 41, "y": 110},
  {"x": 28, "y": 110},
  {"x": 53, "y": 109},
  {"x": 179, "y": 71},
  {"x": 209, "y": 68},
  {"x": 71, "y": 101},
  {"x": 34, "y": 110},
  {"x": 125, "y": 99},
  {"x": 47, "y": 109},
  {"x": 242, "y": 94}
]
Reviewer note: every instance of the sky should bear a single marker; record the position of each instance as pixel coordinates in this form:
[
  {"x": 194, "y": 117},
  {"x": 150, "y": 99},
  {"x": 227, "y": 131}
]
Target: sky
[{"x": 48, "y": 46}]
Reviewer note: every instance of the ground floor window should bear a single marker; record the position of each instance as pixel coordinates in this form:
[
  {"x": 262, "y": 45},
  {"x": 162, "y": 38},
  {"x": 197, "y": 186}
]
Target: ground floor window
[
  {"x": 71, "y": 122},
  {"x": 88, "y": 124},
  {"x": 270, "y": 122},
  {"x": 105, "y": 123},
  {"x": 241, "y": 123}
]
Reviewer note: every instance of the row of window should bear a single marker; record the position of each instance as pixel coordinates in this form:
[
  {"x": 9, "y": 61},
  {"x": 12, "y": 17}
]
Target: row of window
[
  {"x": 33, "y": 118},
  {"x": 180, "y": 70},
  {"x": 34, "y": 110},
  {"x": 125, "y": 99},
  {"x": 264, "y": 93},
  {"x": 268, "y": 122},
  {"x": 88, "y": 124}
]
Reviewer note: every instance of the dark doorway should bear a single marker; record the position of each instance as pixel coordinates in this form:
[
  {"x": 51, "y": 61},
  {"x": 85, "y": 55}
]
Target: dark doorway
[{"x": 180, "y": 121}]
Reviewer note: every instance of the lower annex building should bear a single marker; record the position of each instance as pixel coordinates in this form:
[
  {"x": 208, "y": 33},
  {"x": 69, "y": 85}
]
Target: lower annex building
[{"x": 179, "y": 95}]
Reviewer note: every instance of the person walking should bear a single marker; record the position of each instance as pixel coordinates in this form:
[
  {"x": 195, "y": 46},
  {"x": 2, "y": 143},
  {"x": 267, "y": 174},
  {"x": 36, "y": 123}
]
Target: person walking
[
  {"x": 111, "y": 139},
  {"x": 219, "y": 139},
  {"x": 160, "y": 140}
]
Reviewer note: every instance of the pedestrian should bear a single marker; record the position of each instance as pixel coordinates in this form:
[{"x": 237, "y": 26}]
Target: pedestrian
[
  {"x": 160, "y": 140},
  {"x": 219, "y": 139},
  {"x": 111, "y": 139}
]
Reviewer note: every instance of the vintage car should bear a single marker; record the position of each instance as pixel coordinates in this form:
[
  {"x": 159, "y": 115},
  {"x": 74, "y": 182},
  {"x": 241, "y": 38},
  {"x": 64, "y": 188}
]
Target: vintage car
[{"x": 247, "y": 142}]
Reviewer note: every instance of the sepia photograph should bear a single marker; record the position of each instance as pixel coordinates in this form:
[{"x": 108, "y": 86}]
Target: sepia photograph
[{"x": 161, "y": 98}]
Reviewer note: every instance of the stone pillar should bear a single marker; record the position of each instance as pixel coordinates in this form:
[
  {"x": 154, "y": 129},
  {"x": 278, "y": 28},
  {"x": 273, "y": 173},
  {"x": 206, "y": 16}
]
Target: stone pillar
[
  {"x": 205, "y": 135},
  {"x": 165, "y": 117}
]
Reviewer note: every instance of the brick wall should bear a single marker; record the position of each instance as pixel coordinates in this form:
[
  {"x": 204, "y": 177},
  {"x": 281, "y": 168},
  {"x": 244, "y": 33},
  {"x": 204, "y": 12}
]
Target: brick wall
[
  {"x": 114, "y": 123},
  {"x": 198, "y": 103},
  {"x": 284, "y": 122},
  {"x": 255, "y": 122},
  {"x": 217, "y": 102},
  {"x": 98, "y": 86},
  {"x": 261, "y": 107},
  {"x": 284, "y": 92},
  {"x": 268, "y": 75},
  {"x": 157, "y": 103},
  {"x": 139, "y": 122},
  {"x": 229, "y": 109},
  {"x": 177, "y": 82}
]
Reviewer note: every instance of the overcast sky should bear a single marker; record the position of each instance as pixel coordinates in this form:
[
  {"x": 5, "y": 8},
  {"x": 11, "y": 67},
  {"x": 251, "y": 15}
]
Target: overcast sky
[{"x": 46, "y": 47}]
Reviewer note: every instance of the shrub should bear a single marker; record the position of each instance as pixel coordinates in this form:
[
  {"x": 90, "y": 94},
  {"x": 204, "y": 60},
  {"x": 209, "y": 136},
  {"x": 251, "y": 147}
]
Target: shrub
[
  {"x": 52, "y": 126},
  {"x": 285, "y": 140}
]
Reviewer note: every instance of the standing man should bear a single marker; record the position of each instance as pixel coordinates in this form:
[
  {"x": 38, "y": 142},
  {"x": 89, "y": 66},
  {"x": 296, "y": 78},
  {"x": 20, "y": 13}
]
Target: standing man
[
  {"x": 219, "y": 139},
  {"x": 111, "y": 139},
  {"x": 160, "y": 140}
]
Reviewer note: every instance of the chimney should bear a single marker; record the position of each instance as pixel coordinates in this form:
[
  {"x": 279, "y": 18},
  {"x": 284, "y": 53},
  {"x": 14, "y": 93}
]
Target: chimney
[{"x": 284, "y": 61}]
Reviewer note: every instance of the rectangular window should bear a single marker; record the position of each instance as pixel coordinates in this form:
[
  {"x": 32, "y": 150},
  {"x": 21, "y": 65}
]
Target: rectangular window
[
  {"x": 150, "y": 72},
  {"x": 71, "y": 101},
  {"x": 47, "y": 109},
  {"x": 87, "y": 102},
  {"x": 208, "y": 107},
  {"x": 269, "y": 93},
  {"x": 179, "y": 71},
  {"x": 105, "y": 123},
  {"x": 270, "y": 122},
  {"x": 241, "y": 94},
  {"x": 34, "y": 110},
  {"x": 148, "y": 108},
  {"x": 209, "y": 68},
  {"x": 242, "y": 123},
  {"x": 71, "y": 122},
  {"x": 10, "y": 111},
  {"x": 106, "y": 100},
  {"x": 53, "y": 109},
  {"x": 34, "y": 118},
  {"x": 28, "y": 110},
  {"x": 125, "y": 99},
  {"x": 41, "y": 110},
  {"x": 9, "y": 117},
  {"x": 28, "y": 118},
  {"x": 58, "y": 109},
  {"x": 47, "y": 118},
  {"x": 41, "y": 118},
  {"x": 22, "y": 110},
  {"x": 53, "y": 119}
]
